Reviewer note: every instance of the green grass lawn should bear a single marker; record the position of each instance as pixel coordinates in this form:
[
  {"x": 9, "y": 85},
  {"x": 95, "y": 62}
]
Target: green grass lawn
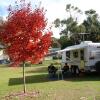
[{"x": 37, "y": 80}]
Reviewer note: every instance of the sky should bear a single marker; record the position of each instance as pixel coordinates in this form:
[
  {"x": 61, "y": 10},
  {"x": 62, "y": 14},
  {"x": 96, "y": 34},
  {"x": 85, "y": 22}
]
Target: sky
[{"x": 55, "y": 8}]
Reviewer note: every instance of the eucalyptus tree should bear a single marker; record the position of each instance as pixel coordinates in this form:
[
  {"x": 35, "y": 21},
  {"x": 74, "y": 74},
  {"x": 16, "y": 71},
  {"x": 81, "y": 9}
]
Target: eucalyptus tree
[
  {"x": 70, "y": 24},
  {"x": 57, "y": 22},
  {"x": 1, "y": 23},
  {"x": 73, "y": 11},
  {"x": 65, "y": 41},
  {"x": 92, "y": 25},
  {"x": 55, "y": 43}
]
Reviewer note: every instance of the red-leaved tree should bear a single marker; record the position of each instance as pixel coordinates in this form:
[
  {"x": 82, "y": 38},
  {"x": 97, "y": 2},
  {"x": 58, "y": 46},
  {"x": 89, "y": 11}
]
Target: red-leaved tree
[{"x": 25, "y": 35}]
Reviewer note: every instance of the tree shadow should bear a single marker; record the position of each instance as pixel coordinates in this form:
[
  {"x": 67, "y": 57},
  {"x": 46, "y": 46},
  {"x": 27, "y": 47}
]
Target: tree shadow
[
  {"x": 31, "y": 79},
  {"x": 85, "y": 77},
  {"x": 45, "y": 78}
]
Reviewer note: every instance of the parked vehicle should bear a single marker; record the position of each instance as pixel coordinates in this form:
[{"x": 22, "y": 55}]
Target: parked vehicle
[
  {"x": 4, "y": 58},
  {"x": 86, "y": 56}
]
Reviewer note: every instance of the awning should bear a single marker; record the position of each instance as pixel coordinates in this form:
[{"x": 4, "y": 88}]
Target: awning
[{"x": 75, "y": 47}]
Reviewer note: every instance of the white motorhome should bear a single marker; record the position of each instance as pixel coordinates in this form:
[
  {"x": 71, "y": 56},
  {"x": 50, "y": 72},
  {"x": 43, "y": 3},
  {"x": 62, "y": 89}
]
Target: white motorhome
[{"x": 86, "y": 56}]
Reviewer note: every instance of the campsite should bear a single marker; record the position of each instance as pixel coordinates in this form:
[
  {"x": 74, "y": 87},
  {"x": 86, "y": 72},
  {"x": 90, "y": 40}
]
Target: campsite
[
  {"x": 75, "y": 88},
  {"x": 49, "y": 50}
]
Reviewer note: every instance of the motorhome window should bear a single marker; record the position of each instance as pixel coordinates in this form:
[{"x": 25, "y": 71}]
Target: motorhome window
[
  {"x": 98, "y": 46},
  {"x": 67, "y": 55},
  {"x": 75, "y": 54},
  {"x": 82, "y": 54}
]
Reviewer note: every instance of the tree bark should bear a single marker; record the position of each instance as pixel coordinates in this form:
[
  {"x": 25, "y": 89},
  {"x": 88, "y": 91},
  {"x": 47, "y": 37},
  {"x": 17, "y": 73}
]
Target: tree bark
[{"x": 24, "y": 80}]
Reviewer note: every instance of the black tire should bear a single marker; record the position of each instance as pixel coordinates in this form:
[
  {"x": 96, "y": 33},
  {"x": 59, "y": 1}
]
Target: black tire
[{"x": 98, "y": 67}]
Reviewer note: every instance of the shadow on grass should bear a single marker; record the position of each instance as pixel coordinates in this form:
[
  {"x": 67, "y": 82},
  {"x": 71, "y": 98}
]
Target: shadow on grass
[
  {"x": 31, "y": 79},
  {"x": 85, "y": 77},
  {"x": 44, "y": 78}
]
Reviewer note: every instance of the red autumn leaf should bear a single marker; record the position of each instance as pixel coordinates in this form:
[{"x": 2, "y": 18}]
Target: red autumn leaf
[{"x": 24, "y": 34}]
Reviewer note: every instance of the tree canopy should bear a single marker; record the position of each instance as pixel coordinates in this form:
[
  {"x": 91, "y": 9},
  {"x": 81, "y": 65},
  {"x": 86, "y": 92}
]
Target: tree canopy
[
  {"x": 71, "y": 27},
  {"x": 25, "y": 34}
]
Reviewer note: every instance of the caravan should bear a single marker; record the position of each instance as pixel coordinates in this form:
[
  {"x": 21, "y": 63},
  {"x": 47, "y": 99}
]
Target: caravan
[{"x": 86, "y": 56}]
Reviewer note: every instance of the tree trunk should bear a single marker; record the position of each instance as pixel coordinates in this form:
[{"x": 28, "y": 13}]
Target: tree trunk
[{"x": 24, "y": 81}]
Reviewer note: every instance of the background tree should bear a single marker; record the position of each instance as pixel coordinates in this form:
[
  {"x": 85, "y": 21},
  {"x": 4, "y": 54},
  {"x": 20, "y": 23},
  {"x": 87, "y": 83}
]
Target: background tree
[
  {"x": 73, "y": 11},
  {"x": 1, "y": 20},
  {"x": 70, "y": 25},
  {"x": 25, "y": 35},
  {"x": 55, "y": 43},
  {"x": 92, "y": 25},
  {"x": 65, "y": 41},
  {"x": 1, "y": 24},
  {"x": 57, "y": 22}
]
